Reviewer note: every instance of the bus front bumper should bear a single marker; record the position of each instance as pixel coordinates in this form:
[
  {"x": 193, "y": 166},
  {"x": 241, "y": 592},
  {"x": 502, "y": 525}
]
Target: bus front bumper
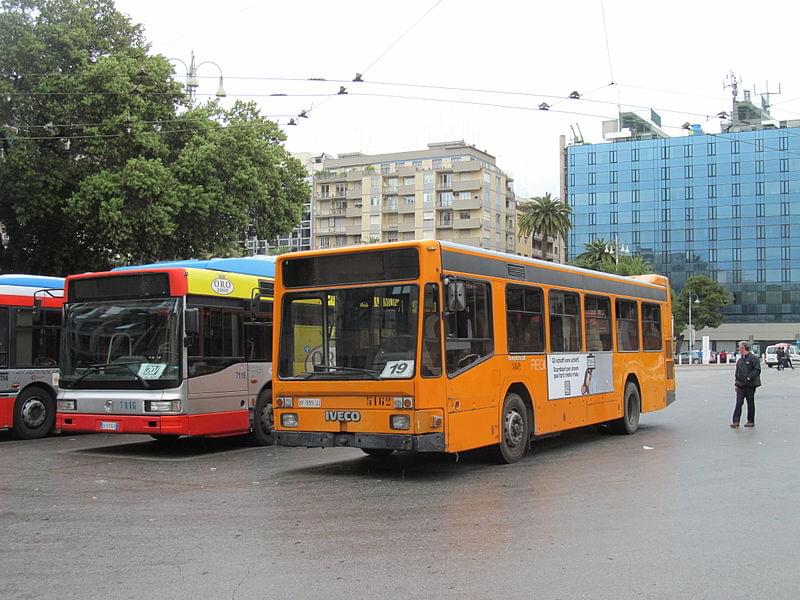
[{"x": 428, "y": 442}]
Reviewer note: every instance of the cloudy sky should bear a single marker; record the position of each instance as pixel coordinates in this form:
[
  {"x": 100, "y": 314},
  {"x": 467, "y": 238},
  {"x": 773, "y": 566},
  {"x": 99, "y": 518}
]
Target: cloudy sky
[{"x": 672, "y": 56}]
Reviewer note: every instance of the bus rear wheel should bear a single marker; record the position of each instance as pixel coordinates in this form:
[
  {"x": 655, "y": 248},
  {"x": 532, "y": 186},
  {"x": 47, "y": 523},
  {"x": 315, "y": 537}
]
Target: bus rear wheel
[
  {"x": 632, "y": 409},
  {"x": 34, "y": 414},
  {"x": 515, "y": 430},
  {"x": 263, "y": 419}
]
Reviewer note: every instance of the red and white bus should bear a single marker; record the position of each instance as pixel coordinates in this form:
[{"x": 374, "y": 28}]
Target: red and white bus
[{"x": 30, "y": 330}]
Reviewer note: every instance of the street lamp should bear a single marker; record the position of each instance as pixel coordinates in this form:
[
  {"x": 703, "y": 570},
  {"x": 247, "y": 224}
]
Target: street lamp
[
  {"x": 693, "y": 299},
  {"x": 192, "y": 82}
]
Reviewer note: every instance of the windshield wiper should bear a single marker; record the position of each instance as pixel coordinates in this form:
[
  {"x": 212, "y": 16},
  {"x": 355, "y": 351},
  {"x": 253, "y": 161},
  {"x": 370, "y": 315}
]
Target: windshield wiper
[
  {"x": 333, "y": 369},
  {"x": 103, "y": 366}
]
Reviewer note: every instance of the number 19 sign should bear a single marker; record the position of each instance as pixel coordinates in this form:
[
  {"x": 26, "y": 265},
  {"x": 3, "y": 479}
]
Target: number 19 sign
[{"x": 398, "y": 369}]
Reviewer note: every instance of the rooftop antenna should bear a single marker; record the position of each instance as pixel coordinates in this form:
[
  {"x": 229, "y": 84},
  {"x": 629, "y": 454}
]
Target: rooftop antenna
[
  {"x": 731, "y": 81},
  {"x": 765, "y": 102}
]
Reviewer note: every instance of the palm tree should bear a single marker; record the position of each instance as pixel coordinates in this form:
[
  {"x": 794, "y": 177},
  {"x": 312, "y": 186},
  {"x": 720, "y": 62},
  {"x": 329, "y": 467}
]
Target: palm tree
[
  {"x": 545, "y": 216},
  {"x": 596, "y": 252}
]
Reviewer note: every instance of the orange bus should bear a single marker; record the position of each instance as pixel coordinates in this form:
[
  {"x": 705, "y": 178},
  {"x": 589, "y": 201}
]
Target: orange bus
[{"x": 432, "y": 346}]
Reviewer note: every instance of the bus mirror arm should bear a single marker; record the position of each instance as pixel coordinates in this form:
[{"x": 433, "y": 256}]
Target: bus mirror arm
[
  {"x": 191, "y": 322},
  {"x": 255, "y": 302},
  {"x": 455, "y": 295},
  {"x": 36, "y": 312}
]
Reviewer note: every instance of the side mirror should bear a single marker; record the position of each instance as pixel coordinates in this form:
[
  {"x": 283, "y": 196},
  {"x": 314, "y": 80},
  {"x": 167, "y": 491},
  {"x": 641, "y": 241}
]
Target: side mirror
[
  {"x": 191, "y": 321},
  {"x": 255, "y": 302},
  {"x": 456, "y": 296}
]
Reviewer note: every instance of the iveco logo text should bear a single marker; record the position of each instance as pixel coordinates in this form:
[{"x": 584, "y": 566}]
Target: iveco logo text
[
  {"x": 222, "y": 286},
  {"x": 342, "y": 415}
]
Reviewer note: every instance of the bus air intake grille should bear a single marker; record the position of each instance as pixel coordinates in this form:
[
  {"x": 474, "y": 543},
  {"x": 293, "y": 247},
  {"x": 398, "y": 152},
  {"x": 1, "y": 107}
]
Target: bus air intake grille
[
  {"x": 267, "y": 288},
  {"x": 516, "y": 271}
]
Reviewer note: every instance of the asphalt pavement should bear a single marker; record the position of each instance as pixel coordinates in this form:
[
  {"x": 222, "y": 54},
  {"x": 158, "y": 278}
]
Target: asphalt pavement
[{"x": 685, "y": 508}]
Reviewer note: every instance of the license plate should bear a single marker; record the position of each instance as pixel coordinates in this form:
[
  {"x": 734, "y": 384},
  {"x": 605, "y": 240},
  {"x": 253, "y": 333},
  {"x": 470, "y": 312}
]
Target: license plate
[
  {"x": 309, "y": 403},
  {"x": 109, "y": 425}
]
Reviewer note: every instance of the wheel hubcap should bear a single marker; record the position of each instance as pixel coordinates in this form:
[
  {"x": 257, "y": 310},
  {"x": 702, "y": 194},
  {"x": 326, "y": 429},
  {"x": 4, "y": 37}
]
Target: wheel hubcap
[
  {"x": 34, "y": 412},
  {"x": 266, "y": 420},
  {"x": 633, "y": 413},
  {"x": 514, "y": 428}
]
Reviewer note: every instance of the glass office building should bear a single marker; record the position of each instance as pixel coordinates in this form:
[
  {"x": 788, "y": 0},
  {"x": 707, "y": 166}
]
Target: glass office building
[{"x": 722, "y": 205}]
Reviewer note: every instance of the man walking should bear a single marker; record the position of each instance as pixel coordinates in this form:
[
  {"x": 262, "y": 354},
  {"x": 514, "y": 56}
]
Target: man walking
[{"x": 746, "y": 379}]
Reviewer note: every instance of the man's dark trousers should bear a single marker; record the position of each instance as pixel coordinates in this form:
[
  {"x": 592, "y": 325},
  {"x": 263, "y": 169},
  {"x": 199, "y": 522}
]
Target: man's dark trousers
[{"x": 745, "y": 393}]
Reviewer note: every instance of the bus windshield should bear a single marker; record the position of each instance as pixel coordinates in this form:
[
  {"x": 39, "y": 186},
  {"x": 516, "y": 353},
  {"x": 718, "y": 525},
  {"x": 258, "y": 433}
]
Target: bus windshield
[
  {"x": 355, "y": 333},
  {"x": 124, "y": 344}
]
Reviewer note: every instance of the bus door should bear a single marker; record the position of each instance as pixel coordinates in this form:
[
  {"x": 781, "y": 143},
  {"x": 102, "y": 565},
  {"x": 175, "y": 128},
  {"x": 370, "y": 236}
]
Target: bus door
[
  {"x": 258, "y": 348},
  {"x": 472, "y": 384}
]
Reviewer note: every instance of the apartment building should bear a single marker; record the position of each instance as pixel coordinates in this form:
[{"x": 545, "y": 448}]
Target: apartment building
[{"x": 449, "y": 191}]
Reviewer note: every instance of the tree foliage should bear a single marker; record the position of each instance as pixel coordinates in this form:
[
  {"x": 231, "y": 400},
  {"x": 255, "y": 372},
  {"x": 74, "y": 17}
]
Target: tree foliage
[
  {"x": 544, "y": 216},
  {"x": 708, "y": 299},
  {"x": 600, "y": 255},
  {"x": 102, "y": 159}
]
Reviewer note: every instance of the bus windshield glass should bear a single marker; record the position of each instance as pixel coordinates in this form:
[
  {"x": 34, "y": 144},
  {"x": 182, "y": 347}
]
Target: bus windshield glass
[
  {"x": 356, "y": 333},
  {"x": 127, "y": 344}
]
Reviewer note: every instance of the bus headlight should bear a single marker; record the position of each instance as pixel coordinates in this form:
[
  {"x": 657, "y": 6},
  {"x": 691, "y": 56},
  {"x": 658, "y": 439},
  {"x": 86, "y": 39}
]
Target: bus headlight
[
  {"x": 162, "y": 406},
  {"x": 66, "y": 405},
  {"x": 289, "y": 420},
  {"x": 400, "y": 422},
  {"x": 403, "y": 402}
]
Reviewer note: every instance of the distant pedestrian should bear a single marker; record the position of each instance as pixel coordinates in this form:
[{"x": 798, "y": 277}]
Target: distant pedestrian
[
  {"x": 723, "y": 357},
  {"x": 747, "y": 378},
  {"x": 780, "y": 356}
]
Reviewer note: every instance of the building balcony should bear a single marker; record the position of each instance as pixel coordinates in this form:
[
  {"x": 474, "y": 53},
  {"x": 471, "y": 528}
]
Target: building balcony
[
  {"x": 404, "y": 208},
  {"x": 354, "y": 194},
  {"x": 406, "y": 190},
  {"x": 463, "y": 166},
  {"x": 467, "y": 223},
  {"x": 469, "y": 204},
  {"x": 353, "y": 211},
  {"x": 329, "y": 175},
  {"x": 444, "y": 225},
  {"x": 467, "y": 186},
  {"x": 407, "y": 227},
  {"x": 353, "y": 229},
  {"x": 444, "y": 185},
  {"x": 391, "y": 208}
]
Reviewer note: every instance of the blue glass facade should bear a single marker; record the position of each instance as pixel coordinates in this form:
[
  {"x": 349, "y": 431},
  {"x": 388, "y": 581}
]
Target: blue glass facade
[{"x": 726, "y": 206}]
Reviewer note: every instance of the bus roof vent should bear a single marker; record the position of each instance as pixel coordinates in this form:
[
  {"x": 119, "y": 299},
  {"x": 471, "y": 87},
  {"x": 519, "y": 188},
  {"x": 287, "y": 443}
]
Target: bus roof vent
[
  {"x": 267, "y": 288},
  {"x": 516, "y": 271}
]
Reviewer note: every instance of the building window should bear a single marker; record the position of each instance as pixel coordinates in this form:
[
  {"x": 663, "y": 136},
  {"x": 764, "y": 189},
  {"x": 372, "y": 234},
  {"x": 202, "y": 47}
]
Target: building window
[
  {"x": 784, "y": 163},
  {"x": 689, "y": 192},
  {"x": 665, "y": 236},
  {"x": 761, "y": 252},
  {"x": 592, "y": 198},
  {"x": 687, "y": 151},
  {"x": 635, "y": 216},
  {"x": 664, "y": 173},
  {"x": 783, "y": 143},
  {"x": 689, "y": 234},
  {"x": 572, "y": 178},
  {"x": 759, "y": 145},
  {"x": 634, "y": 155},
  {"x": 735, "y": 147},
  {"x": 784, "y": 209},
  {"x": 635, "y": 237},
  {"x": 736, "y": 211},
  {"x": 665, "y": 194},
  {"x": 759, "y": 188},
  {"x": 760, "y": 232},
  {"x": 712, "y": 255},
  {"x": 712, "y": 191},
  {"x": 571, "y": 159},
  {"x": 665, "y": 214},
  {"x": 592, "y": 219},
  {"x": 760, "y": 209},
  {"x": 712, "y": 148},
  {"x": 635, "y": 175},
  {"x": 784, "y": 187},
  {"x": 612, "y": 177},
  {"x": 614, "y": 197},
  {"x": 735, "y": 167},
  {"x": 592, "y": 178},
  {"x": 736, "y": 190},
  {"x": 736, "y": 254},
  {"x": 786, "y": 253},
  {"x": 689, "y": 213},
  {"x": 759, "y": 166},
  {"x": 612, "y": 156},
  {"x": 761, "y": 275},
  {"x": 665, "y": 152},
  {"x": 688, "y": 171},
  {"x": 712, "y": 212},
  {"x": 613, "y": 217},
  {"x": 736, "y": 233},
  {"x": 712, "y": 170},
  {"x": 635, "y": 196},
  {"x": 712, "y": 234},
  {"x": 785, "y": 230},
  {"x": 786, "y": 275},
  {"x": 592, "y": 158},
  {"x": 736, "y": 275}
]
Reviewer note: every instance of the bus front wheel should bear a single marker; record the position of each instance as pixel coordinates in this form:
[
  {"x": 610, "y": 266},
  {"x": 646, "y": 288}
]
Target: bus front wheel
[
  {"x": 629, "y": 422},
  {"x": 514, "y": 430},
  {"x": 34, "y": 414},
  {"x": 263, "y": 419}
]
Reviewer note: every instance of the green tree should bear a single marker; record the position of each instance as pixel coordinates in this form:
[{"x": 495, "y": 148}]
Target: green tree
[
  {"x": 595, "y": 253},
  {"x": 102, "y": 159},
  {"x": 544, "y": 216},
  {"x": 608, "y": 263},
  {"x": 708, "y": 299}
]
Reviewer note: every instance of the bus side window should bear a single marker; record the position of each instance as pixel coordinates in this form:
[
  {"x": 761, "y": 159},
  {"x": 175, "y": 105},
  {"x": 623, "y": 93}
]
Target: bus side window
[
  {"x": 651, "y": 326},
  {"x": 469, "y": 332},
  {"x": 258, "y": 335},
  {"x": 627, "y": 326},
  {"x": 3, "y": 337},
  {"x": 524, "y": 319},
  {"x": 565, "y": 321},
  {"x": 597, "y": 312},
  {"x": 431, "y": 333},
  {"x": 23, "y": 338},
  {"x": 220, "y": 343}
]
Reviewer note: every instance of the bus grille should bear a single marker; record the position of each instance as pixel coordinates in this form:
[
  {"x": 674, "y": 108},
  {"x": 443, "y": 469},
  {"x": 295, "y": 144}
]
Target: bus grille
[
  {"x": 267, "y": 288},
  {"x": 516, "y": 271}
]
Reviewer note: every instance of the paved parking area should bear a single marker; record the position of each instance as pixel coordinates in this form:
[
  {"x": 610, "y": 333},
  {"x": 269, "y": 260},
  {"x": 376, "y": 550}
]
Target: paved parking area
[{"x": 686, "y": 508}]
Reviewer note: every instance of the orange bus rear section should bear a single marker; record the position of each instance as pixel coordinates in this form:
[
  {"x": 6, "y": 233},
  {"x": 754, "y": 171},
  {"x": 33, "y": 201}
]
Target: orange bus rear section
[{"x": 467, "y": 403}]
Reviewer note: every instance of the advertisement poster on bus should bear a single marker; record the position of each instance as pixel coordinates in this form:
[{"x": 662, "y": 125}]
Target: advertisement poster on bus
[{"x": 584, "y": 374}]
